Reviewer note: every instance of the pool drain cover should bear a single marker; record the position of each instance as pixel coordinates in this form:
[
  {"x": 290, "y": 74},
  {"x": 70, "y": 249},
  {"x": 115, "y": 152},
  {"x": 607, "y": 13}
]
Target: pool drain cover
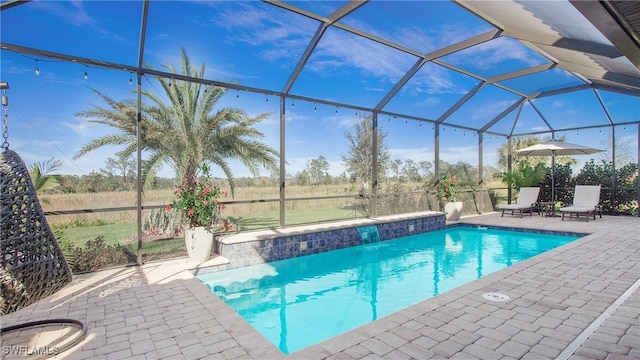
[{"x": 495, "y": 297}]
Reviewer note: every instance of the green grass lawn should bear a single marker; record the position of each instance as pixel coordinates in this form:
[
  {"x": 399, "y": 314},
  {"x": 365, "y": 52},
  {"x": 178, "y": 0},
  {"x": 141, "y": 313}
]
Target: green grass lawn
[
  {"x": 120, "y": 233},
  {"x": 125, "y": 233},
  {"x": 271, "y": 219}
]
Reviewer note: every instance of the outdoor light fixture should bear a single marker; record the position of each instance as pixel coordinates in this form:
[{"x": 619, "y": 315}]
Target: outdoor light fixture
[
  {"x": 37, "y": 69},
  {"x": 130, "y": 79},
  {"x": 315, "y": 107},
  {"x": 86, "y": 76},
  {"x": 266, "y": 98},
  {"x": 293, "y": 104}
]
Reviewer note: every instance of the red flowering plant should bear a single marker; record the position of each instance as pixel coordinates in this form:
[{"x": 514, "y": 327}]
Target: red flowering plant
[
  {"x": 447, "y": 189},
  {"x": 197, "y": 201}
]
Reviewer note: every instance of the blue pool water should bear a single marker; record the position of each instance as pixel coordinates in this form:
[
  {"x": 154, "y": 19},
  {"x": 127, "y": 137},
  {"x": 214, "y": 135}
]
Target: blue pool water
[{"x": 301, "y": 301}]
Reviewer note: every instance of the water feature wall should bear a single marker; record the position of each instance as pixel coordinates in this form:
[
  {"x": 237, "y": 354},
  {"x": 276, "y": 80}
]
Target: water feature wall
[
  {"x": 369, "y": 234},
  {"x": 245, "y": 250}
]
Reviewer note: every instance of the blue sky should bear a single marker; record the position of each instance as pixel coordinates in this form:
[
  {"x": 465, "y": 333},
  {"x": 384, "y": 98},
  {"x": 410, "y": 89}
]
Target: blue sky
[{"x": 258, "y": 45}]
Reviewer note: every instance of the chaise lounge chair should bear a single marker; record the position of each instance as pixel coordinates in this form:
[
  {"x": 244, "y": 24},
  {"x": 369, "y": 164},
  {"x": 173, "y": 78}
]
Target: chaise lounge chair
[
  {"x": 527, "y": 199},
  {"x": 586, "y": 200}
]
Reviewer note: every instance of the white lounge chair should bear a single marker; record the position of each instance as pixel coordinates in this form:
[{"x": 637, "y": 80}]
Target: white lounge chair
[
  {"x": 527, "y": 199},
  {"x": 586, "y": 200}
]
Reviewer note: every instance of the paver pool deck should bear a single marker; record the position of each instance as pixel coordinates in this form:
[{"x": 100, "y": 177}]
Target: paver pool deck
[{"x": 578, "y": 301}]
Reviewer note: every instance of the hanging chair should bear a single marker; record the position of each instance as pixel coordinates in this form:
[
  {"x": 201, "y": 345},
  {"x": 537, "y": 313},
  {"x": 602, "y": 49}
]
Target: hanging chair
[{"x": 33, "y": 266}]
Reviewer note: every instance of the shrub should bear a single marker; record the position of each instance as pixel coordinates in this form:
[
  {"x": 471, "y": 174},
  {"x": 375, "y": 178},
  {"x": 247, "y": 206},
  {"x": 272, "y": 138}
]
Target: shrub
[
  {"x": 524, "y": 175},
  {"x": 197, "y": 200},
  {"x": 97, "y": 254},
  {"x": 564, "y": 183},
  {"x": 161, "y": 222},
  {"x": 80, "y": 223},
  {"x": 447, "y": 189},
  {"x": 399, "y": 201},
  {"x": 393, "y": 198},
  {"x": 619, "y": 197},
  {"x": 362, "y": 203}
]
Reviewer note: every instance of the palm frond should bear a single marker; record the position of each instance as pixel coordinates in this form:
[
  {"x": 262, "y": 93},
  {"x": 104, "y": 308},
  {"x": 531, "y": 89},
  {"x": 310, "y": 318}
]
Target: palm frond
[
  {"x": 113, "y": 139},
  {"x": 41, "y": 176}
]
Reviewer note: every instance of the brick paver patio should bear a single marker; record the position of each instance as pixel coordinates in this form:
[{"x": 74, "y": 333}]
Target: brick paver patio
[{"x": 160, "y": 311}]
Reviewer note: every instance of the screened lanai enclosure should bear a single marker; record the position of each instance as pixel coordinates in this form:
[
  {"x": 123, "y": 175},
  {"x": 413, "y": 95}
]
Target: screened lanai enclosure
[{"x": 311, "y": 111}]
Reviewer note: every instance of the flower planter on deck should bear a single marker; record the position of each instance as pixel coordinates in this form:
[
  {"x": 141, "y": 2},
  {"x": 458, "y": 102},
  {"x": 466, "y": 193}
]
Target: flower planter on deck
[
  {"x": 453, "y": 210},
  {"x": 199, "y": 242}
]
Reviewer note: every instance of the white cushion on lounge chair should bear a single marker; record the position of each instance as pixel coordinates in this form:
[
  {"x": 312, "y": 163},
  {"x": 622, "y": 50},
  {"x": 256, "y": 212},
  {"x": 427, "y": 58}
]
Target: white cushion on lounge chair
[
  {"x": 527, "y": 197},
  {"x": 585, "y": 201}
]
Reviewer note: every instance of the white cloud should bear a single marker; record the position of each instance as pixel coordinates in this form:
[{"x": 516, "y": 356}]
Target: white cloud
[
  {"x": 339, "y": 49},
  {"x": 428, "y": 102},
  {"x": 539, "y": 128},
  {"x": 81, "y": 127},
  {"x": 559, "y": 103},
  {"x": 281, "y": 39},
  {"x": 285, "y": 34},
  {"x": 495, "y": 52},
  {"x": 415, "y": 154},
  {"x": 75, "y": 13},
  {"x": 72, "y": 12},
  {"x": 296, "y": 164},
  {"x": 343, "y": 122},
  {"x": 488, "y": 109},
  {"x": 455, "y": 154}
]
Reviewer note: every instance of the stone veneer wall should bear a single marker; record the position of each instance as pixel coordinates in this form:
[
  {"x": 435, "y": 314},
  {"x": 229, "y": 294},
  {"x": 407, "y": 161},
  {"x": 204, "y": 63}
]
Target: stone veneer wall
[{"x": 288, "y": 246}]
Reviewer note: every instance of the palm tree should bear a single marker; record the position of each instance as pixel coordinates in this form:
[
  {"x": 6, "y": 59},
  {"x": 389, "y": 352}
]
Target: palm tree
[
  {"x": 517, "y": 144},
  {"x": 524, "y": 175},
  {"x": 184, "y": 132},
  {"x": 527, "y": 170},
  {"x": 523, "y": 142}
]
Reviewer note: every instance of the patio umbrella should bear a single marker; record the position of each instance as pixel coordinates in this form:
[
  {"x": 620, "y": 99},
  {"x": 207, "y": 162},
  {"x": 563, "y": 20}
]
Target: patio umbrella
[
  {"x": 556, "y": 147},
  {"x": 553, "y": 148}
]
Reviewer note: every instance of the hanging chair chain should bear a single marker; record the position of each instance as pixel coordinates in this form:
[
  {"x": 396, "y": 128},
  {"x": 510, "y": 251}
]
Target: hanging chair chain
[{"x": 5, "y": 119}]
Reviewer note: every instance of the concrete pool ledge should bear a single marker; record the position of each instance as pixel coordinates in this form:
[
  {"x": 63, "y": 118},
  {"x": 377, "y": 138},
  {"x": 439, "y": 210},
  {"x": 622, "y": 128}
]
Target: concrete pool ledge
[
  {"x": 250, "y": 236},
  {"x": 258, "y": 247}
]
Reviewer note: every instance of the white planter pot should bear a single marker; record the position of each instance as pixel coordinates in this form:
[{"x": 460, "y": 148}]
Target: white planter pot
[
  {"x": 199, "y": 241},
  {"x": 453, "y": 210}
]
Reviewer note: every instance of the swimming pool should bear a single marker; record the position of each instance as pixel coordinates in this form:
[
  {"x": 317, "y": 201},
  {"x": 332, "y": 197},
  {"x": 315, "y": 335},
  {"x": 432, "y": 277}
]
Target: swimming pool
[{"x": 301, "y": 301}]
